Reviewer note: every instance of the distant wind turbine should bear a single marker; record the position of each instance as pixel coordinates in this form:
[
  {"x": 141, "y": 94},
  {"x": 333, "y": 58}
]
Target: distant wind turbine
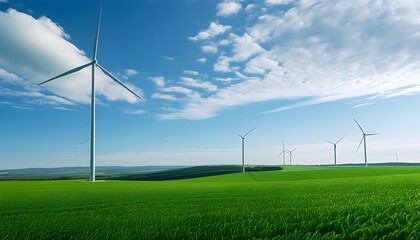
[
  {"x": 284, "y": 154},
  {"x": 364, "y": 140},
  {"x": 290, "y": 155},
  {"x": 243, "y": 146},
  {"x": 78, "y": 154},
  {"x": 94, "y": 63},
  {"x": 335, "y": 149}
]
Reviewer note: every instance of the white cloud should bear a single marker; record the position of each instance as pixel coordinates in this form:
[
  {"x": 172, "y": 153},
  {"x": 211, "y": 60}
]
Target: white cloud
[
  {"x": 278, "y": 2},
  {"x": 38, "y": 49},
  {"x": 183, "y": 90},
  {"x": 35, "y": 97},
  {"x": 6, "y": 103},
  {"x": 190, "y": 114},
  {"x": 131, "y": 72},
  {"x": 362, "y": 105},
  {"x": 159, "y": 81},
  {"x": 224, "y": 42},
  {"x": 190, "y": 82},
  {"x": 209, "y": 49},
  {"x": 240, "y": 75},
  {"x": 214, "y": 30},
  {"x": 136, "y": 112},
  {"x": 222, "y": 64},
  {"x": 22, "y": 107},
  {"x": 244, "y": 47},
  {"x": 262, "y": 64},
  {"x": 249, "y": 7},
  {"x": 225, "y": 9},
  {"x": 202, "y": 60},
  {"x": 164, "y": 97},
  {"x": 62, "y": 108},
  {"x": 227, "y": 80},
  {"x": 168, "y": 58},
  {"x": 189, "y": 72},
  {"x": 128, "y": 73},
  {"x": 323, "y": 51},
  {"x": 13, "y": 79}
]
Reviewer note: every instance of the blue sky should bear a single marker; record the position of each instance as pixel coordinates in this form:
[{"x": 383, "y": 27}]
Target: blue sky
[{"x": 299, "y": 71}]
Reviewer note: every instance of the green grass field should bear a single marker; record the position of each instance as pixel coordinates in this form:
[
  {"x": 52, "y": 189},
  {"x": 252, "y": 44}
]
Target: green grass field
[{"x": 296, "y": 203}]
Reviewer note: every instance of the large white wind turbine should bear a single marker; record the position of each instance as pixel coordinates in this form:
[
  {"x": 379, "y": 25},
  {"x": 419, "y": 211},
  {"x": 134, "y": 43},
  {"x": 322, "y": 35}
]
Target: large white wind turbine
[
  {"x": 290, "y": 155},
  {"x": 284, "y": 154},
  {"x": 364, "y": 140},
  {"x": 335, "y": 149},
  {"x": 94, "y": 63},
  {"x": 243, "y": 147},
  {"x": 78, "y": 154}
]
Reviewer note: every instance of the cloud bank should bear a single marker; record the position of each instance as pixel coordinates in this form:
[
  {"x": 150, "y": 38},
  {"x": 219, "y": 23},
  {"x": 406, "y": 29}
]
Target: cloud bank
[
  {"x": 35, "y": 50},
  {"x": 317, "y": 51}
]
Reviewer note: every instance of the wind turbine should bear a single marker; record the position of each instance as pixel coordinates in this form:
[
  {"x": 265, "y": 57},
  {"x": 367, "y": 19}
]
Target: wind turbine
[
  {"x": 364, "y": 140},
  {"x": 284, "y": 155},
  {"x": 243, "y": 146},
  {"x": 335, "y": 149},
  {"x": 290, "y": 155},
  {"x": 78, "y": 154},
  {"x": 94, "y": 63}
]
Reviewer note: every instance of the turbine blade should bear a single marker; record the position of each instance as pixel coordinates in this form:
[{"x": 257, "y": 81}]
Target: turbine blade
[
  {"x": 340, "y": 139},
  {"x": 116, "y": 80},
  {"x": 359, "y": 126},
  {"x": 359, "y": 145},
  {"x": 371, "y": 134},
  {"x": 328, "y": 141},
  {"x": 282, "y": 152},
  {"x": 67, "y": 73},
  {"x": 85, "y": 141},
  {"x": 240, "y": 135},
  {"x": 250, "y": 131},
  {"x": 95, "y": 46},
  {"x": 293, "y": 150}
]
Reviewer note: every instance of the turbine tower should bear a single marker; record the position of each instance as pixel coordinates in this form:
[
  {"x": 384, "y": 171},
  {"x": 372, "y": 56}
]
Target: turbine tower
[
  {"x": 94, "y": 63},
  {"x": 335, "y": 149},
  {"x": 243, "y": 147},
  {"x": 364, "y": 140},
  {"x": 78, "y": 154}
]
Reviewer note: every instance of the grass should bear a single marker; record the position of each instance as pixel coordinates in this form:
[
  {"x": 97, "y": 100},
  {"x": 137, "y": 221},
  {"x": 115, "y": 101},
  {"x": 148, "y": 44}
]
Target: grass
[{"x": 296, "y": 203}]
